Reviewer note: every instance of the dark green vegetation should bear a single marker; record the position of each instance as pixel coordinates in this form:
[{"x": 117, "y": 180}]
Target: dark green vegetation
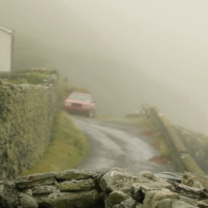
[
  {"x": 27, "y": 76},
  {"x": 67, "y": 148},
  {"x": 53, "y": 37}
]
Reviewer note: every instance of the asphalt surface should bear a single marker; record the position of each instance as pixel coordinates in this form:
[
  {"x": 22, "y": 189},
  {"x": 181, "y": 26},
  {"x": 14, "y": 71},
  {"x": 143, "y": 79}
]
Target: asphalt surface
[{"x": 114, "y": 144}]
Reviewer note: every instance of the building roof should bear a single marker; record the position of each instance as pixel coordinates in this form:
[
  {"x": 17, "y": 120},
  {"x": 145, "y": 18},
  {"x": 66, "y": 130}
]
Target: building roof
[{"x": 6, "y": 29}]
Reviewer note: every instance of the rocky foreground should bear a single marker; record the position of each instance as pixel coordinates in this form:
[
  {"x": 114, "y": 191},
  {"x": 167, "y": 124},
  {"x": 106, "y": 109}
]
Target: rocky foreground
[{"x": 113, "y": 188}]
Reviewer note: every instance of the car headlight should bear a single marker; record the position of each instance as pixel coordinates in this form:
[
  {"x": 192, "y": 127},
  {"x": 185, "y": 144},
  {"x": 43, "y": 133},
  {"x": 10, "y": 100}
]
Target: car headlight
[{"x": 86, "y": 106}]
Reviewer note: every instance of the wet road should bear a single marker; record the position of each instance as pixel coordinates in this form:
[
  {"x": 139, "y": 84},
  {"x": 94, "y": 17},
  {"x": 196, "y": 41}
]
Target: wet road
[{"x": 114, "y": 144}]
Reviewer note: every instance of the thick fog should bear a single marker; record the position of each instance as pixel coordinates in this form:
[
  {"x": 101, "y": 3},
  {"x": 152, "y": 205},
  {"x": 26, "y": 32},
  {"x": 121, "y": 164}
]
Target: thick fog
[
  {"x": 165, "y": 39},
  {"x": 168, "y": 40},
  {"x": 126, "y": 52}
]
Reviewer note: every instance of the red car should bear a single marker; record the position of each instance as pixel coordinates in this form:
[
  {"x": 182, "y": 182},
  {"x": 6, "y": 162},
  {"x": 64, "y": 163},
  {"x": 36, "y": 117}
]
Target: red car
[{"x": 82, "y": 103}]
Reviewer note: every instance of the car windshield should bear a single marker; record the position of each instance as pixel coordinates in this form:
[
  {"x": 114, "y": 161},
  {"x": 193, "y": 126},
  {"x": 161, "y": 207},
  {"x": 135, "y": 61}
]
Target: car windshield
[{"x": 78, "y": 96}]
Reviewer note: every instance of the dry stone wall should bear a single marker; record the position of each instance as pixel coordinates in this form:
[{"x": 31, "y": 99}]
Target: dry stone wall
[
  {"x": 196, "y": 144},
  {"x": 26, "y": 118},
  {"x": 112, "y": 188},
  {"x": 180, "y": 156}
]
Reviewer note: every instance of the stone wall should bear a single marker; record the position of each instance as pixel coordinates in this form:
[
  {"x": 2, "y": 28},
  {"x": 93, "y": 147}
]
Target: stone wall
[
  {"x": 181, "y": 159},
  {"x": 196, "y": 144},
  {"x": 112, "y": 188},
  {"x": 26, "y": 119}
]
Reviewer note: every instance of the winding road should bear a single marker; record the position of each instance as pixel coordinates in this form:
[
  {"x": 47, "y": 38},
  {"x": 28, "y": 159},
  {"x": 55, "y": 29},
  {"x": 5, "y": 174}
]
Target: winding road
[{"x": 114, "y": 144}]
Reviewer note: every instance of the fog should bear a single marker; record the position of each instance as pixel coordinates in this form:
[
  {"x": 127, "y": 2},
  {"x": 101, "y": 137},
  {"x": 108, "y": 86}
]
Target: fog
[
  {"x": 165, "y": 39},
  {"x": 126, "y": 52}
]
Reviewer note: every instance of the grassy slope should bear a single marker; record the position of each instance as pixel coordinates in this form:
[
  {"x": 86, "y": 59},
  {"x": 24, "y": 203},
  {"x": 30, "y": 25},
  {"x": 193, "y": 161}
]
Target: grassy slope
[{"x": 66, "y": 149}]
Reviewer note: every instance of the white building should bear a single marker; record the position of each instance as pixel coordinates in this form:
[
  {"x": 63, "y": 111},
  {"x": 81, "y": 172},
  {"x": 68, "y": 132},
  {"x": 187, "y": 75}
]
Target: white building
[{"x": 6, "y": 42}]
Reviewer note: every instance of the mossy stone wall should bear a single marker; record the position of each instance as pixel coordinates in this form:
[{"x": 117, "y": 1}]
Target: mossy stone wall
[
  {"x": 26, "y": 119},
  {"x": 180, "y": 156}
]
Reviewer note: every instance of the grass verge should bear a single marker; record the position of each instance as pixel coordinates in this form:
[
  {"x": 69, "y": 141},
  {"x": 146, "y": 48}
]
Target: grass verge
[
  {"x": 66, "y": 150},
  {"x": 149, "y": 130}
]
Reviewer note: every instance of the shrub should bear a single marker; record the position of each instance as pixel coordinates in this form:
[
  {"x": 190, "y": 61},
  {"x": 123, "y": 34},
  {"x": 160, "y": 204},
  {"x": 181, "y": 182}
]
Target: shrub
[{"x": 35, "y": 78}]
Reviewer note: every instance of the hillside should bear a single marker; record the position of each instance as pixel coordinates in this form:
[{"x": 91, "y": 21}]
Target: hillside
[
  {"x": 120, "y": 89},
  {"x": 49, "y": 35}
]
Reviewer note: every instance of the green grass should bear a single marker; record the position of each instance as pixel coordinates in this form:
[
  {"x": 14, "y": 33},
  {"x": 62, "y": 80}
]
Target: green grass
[
  {"x": 67, "y": 148},
  {"x": 151, "y": 131},
  {"x": 164, "y": 151}
]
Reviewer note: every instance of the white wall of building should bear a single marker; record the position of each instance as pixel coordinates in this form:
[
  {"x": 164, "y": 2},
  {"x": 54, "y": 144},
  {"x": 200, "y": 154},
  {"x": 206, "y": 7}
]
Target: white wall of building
[{"x": 5, "y": 50}]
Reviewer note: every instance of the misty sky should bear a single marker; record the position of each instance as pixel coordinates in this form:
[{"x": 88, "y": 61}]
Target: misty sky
[{"x": 165, "y": 39}]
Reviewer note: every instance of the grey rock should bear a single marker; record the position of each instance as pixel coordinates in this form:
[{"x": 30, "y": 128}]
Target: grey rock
[
  {"x": 78, "y": 174},
  {"x": 115, "y": 180},
  {"x": 27, "y": 201},
  {"x": 1, "y": 187},
  {"x": 138, "y": 205},
  {"x": 176, "y": 177},
  {"x": 76, "y": 185},
  {"x": 85, "y": 199},
  {"x": 152, "y": 198},
  {"x": 191, "y": 180},
  {"x": 129, "y": 203},
  {"x": 43, "y": 190},
  {"x": 165, "y": 203},
  {"x": 189, "y": 200},
  {"x": 9, "y": 195},
  {"x": 180, "y": 204},
  {"x": 138, "y": 190},
  {"x": 74, "y": 174},
  {"x": 28, "y": 191},
  {"x": 33, "y": 183},
  {"x": 35, "y": 177},
  {"x": 107, "y": 203},
  {"x": 202, "y": 204},
  {"x": 116, "y": 197},
  {"x": 149, "y": 175},
  {"x": 38, "y": 198},
  {"x": 11, "y": 198},
  {"x": 118, "y": 206}
]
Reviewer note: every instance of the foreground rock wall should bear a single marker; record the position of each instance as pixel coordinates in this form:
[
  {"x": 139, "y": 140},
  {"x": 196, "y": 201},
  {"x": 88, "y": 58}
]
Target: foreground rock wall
[
  {"x": 26, "y": 118},
  {"x": 113, "y": 188}
]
